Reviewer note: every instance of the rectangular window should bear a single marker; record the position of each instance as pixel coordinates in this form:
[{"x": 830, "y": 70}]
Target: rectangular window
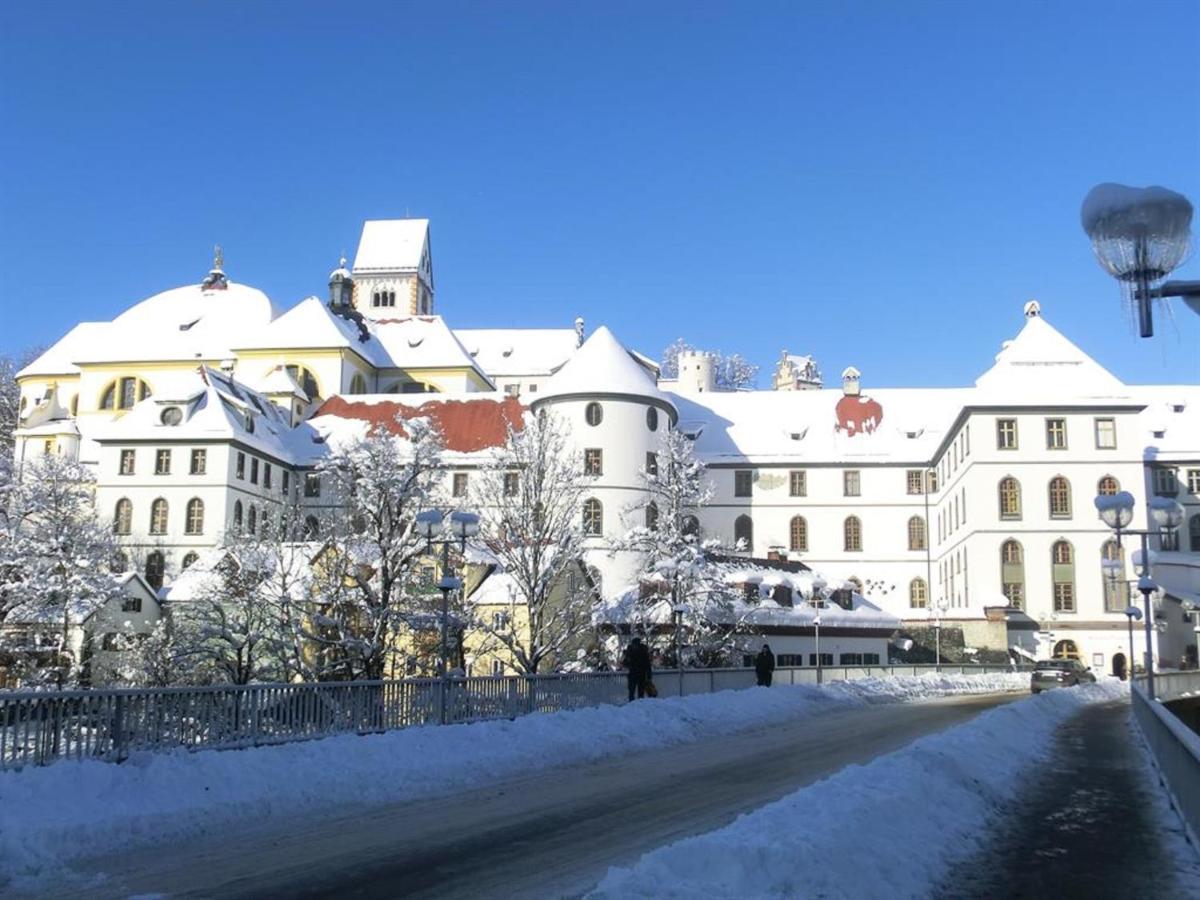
[
  {"x": 916, "y": 480},
  {"x": 851, "y": 483},
  {"x": 1116, "y": 596},
  {"x": 593, "y": 461},
  {"x": 127, "y": 462},
  {"x": 1056, "y": 434},
  {"x": 932, "y": 481},
  {"x": 459, "y": 488},
  {"x": 1168, "y": 541},
  {"x": 162, "y": 462},
  {"x": 254, "y": 470},
  {"x": 743, "y": 481},
  {"x": 1193, "y": 481},
  {"x": 240, "y": 472},
  {"x": 652, "y": 464},
  {"x": 267, "y": 475},
  {"x": 789, "y": 659},
  {"x": 850, "y": 659},
  {"x": 798, "y": 484},
  {"x": 131, "y": 604},
  {"x": 287, "y": 481},
  {"x": 1106, "y": 434},
  {"x": 512, "y": 389},
  {"x": 1166, "y": 484},
  {"x": 199, "y": 462},
  {"x": 826, "y": 659},
  {"x": 312, "y": 484},
  {"x": 512, "y": 484},
  {"x": 1006, "y": 434},
  {"x": 1014, "y": 591}
]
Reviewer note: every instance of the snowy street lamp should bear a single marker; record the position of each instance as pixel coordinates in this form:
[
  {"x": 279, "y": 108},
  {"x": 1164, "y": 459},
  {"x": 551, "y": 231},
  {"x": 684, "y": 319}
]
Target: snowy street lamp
[
  {"x": 1141, "y": 235},
  {"x": 1116, "y": 511},
  {"x": 816, "y": 599},
  {"x": 939, "y": 608},
  {"x": 1131, "y": 613},
  {"x": 463, "y": 525}
]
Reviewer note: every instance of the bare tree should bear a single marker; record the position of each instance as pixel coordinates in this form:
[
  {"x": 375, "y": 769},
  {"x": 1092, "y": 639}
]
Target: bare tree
[
  {"x": 530, "y": 499},
  {"x": 679, "y": 575},
  {"x": 54, "y": 553},
  {"x": 381, "y": 482}
]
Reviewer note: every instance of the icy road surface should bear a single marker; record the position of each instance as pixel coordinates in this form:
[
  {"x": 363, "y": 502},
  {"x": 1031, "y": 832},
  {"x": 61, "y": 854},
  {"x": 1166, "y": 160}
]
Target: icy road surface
[{"x": 549, "y": 835}]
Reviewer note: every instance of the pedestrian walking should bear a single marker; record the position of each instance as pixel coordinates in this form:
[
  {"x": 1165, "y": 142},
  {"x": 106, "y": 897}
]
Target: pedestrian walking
[
  {"x": 764, "y": 666},
  {"x": 636, "y": 660}
]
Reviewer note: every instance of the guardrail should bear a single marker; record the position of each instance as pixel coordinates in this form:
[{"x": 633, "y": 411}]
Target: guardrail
[
  {"x": 1174, "y": 748},
  {"x": 41, "y": 727}
]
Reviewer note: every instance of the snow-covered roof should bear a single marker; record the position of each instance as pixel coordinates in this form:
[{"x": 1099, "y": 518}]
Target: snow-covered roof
[
  {"x": 61, "y": 356},
  {"x": 518, "y": 351},
  {"x": 1040, "y": 361},
  {"x": 213, "y": 405},
  {"x": 390, "y": 245},
  {"x": 602, "y": 366},
  {"x": 422, "y": 342},
  {"x": 310, "y": 325}
]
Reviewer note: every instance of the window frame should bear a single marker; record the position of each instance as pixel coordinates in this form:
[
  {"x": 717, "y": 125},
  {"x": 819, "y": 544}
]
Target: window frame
[
  {"x": 198, "y": 462},
  {"x": 1112, "y": 424},
  {"x": 1006, "y": 429},
  {"x": 743, "y": 482},
  {"x": 593, "y": 461},
  {"x": 128, "y": 455},
  {"x": 852, "y": 536},
  {"x": 851, "y": 483},
  {"x": 162, "y": 461},
  {"x": 798, "y": 483},
  {"x": 1056, "y": 427}
]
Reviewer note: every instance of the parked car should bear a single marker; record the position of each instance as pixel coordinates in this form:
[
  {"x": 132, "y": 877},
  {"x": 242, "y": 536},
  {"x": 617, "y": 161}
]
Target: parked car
[{"x": 1056, "y": 673}]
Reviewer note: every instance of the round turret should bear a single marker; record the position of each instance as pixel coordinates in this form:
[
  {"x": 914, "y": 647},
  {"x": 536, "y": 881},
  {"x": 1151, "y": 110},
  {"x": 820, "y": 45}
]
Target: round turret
[
  {"x": 697, "y": 371},
  {"x": 341, "y": 287}
]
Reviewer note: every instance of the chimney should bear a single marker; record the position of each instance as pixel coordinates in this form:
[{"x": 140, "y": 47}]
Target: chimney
[{"x": 851, "y": 379}]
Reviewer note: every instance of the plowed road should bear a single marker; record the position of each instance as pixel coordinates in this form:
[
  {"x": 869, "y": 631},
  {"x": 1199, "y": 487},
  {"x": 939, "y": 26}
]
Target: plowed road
[{"x": 552, "y": 835}]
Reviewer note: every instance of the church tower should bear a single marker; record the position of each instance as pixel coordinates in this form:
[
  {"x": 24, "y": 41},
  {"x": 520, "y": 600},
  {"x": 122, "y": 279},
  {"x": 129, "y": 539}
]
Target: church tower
[{"x": 393, "y": 269}]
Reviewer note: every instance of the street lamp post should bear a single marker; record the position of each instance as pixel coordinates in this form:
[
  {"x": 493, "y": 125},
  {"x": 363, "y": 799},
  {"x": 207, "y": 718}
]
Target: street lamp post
[
  {"x": 938, "y": 609},
  {"x": 429, "y": 525},
  {"x": 677, "y": 611},
  {"x": 818, "y": 594},
  {"x": 1116, "y": 511},
  {"x": 1131, "y": 613}
]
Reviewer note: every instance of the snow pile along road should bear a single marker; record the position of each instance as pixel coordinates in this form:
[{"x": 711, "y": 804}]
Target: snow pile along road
[
  {"x": 888, "y": 829},
  {"x": 79, "y": 809}
]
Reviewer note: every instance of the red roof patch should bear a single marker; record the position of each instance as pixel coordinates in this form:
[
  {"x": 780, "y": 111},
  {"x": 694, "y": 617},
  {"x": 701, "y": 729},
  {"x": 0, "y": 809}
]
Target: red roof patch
[{"x": 466, "y": 425}]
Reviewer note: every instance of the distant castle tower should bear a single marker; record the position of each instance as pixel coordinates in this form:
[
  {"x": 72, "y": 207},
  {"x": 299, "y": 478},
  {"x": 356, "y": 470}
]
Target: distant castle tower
[
  {"x": 697, "y": 372},
  {"x": 796, "y": 373},
  {"x": 393, "y": 269}
]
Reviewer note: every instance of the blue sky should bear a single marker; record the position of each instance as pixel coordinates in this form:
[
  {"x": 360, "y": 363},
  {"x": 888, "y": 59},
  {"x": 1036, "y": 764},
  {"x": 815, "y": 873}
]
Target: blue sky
[{"x": 878, "y": 184}]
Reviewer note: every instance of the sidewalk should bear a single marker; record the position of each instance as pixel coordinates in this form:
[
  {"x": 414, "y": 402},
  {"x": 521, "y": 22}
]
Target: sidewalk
[{"x": 1088, "y": 825}]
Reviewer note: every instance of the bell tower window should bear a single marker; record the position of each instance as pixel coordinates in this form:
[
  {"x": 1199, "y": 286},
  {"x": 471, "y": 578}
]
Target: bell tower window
[{"x": 383, "y": 298}]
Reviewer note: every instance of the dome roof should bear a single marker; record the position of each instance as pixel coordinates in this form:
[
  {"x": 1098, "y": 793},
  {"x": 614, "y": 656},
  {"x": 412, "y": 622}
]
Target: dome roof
[{"x": 237, "y": 306}]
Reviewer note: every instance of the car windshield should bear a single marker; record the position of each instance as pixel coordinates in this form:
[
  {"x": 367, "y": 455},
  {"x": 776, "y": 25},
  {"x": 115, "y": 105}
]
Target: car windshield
[{"x": 1057, "y": 664}]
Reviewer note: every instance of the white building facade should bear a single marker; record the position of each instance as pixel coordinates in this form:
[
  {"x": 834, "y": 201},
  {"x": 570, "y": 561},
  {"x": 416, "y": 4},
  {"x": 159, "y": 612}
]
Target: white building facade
[{"x": 207, "y": 405}]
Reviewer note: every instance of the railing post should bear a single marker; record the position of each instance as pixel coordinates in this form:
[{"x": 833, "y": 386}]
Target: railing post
[
  {"x": 531, "y": 691},
  {"x": 118, "y": 728}
]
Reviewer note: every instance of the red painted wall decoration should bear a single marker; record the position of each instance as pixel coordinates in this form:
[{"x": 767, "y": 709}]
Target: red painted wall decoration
[
  {"x": 466, "y": 425},
  {"x": 858, "y": 415}
]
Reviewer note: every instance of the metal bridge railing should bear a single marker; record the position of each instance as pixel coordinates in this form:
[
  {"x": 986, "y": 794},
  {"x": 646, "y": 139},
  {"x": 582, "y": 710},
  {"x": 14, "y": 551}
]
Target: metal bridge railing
[
  {"x": 41, "y": 727},
  {"x": 1174, "y": 747}
]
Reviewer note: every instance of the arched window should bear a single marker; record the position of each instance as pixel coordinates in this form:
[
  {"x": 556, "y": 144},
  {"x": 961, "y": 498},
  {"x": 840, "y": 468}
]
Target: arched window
[
  {"x": 306, "y": 379},
  {"x": 1012, "y": 573},
  {"x": 237, "y": 516},
  {"x": 918, "y": 593},
  {"x": 652, "y": 516},
  {"x": 916, "y": 533},
  {"x": 652, "y": 418},
  {"x": 594, "y": 413},
  {"x": 312, "y": 528},
  {"x": 195, "y": 517},
  {"x": 252, "y": 520},
  {"x": 743, "y": 534},
  {"x": 852, "y": 534},
  {"x": 123, "y": 516},
  {"x": 358, "y": 384},
  {"x": 691, "y": 526},
  {"x": 798, "y": 533},
  {"x": 156, "y": 567},
  {"x": 124, "y": 393},
  {"x": 1062, "y": 557},
  {"x": 593, "y": 517},
  {"x": 1194, "y": 533},
  {"x": 1010, "y": 498},
  {"x": 158, "y": 516},
  {"x": 1060, "y": 498},
  {"x": 190, "y": 558},
  {"x": 1107, "y": 486}
]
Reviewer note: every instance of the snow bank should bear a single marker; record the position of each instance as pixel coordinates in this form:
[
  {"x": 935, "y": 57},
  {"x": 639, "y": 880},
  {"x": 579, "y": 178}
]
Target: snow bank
[
  {"x": 79, "y": 809},
  {"x": 887, "y": 829}
]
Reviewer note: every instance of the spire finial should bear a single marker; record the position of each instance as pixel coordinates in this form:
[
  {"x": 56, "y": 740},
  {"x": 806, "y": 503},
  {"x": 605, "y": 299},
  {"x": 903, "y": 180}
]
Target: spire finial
[
  {"x": 218, "y": 258},
  {"x": 1033, "y": 309},
  {"x": 342, "y": 261}
]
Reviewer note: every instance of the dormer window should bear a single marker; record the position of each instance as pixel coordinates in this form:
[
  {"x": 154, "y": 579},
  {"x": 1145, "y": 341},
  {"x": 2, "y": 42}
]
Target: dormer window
[
  {"x": 249, "y": 421},
  {"x": 172, "y": 415}
]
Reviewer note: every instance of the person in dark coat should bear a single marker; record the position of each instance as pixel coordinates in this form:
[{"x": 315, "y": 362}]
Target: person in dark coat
[
  {"x": 764, "y": 666},
  {"x": 637, "y": 661}
]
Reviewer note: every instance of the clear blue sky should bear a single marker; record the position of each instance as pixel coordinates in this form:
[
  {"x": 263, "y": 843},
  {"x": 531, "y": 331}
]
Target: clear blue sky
[{"x": 880, "y": 184}]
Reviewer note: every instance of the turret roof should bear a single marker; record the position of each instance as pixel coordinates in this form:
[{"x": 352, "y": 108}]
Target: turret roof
[{"x": 602, "y": 366}]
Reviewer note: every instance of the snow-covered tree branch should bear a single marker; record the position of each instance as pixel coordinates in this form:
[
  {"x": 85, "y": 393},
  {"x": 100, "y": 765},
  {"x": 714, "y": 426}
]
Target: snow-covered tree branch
[
  {"x": 733, "y": 372},
  {"x": 530, "y": 499}
]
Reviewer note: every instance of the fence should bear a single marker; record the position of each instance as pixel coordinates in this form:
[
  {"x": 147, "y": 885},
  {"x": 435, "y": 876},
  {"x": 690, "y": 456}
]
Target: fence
[
  {"x": 1174, "y": 747},
  {"x": 40, "y": 727}
]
